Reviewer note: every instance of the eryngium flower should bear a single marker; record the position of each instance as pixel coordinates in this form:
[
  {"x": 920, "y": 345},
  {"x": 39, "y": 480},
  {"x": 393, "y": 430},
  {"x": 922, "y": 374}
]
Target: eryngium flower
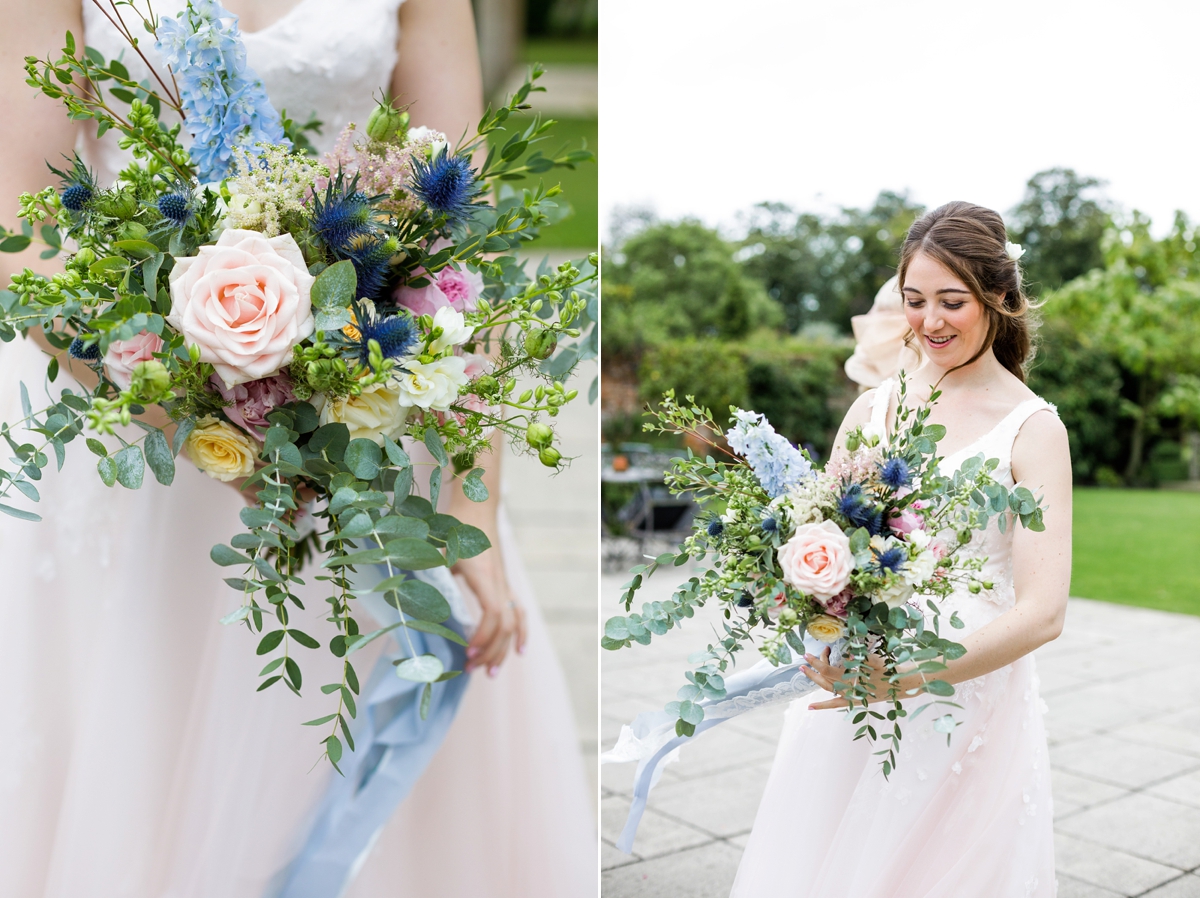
[
  {"x": 341, "y": 217},
  {"x": 855, "y": 508},
  {"x": 371, "y": 255},
  {"x": 890, "y": 559},
  {"x": 396, "y": 335},
  {"x": 446, "y": 184},
  {"x": 76, "y": 197},
  {"x": 87, "y": 352},
  {"x": 175, "y": 207},
  {"x": 715, "y": 528},
  {"x": 894, "y": 473}
]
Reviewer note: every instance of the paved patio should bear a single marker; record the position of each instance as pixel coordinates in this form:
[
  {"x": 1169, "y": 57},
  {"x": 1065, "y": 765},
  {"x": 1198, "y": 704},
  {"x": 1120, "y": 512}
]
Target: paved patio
[{"x": 1124, "y": 747}]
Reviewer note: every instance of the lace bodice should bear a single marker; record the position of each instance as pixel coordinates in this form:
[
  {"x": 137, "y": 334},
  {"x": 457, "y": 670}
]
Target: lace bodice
[
  {"x": 325, "y": 57},
  {"x": 976, "y": 610}
]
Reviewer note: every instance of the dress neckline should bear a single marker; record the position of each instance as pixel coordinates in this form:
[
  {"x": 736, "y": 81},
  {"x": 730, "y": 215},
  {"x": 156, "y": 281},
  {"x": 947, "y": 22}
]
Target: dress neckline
[
  {"x": 999, "y": 424},
  {"x": 271, "y": 25}
]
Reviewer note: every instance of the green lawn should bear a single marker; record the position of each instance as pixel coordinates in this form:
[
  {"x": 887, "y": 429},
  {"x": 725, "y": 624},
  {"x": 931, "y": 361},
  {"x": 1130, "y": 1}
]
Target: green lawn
[
  {"x": 549, "y": 51},
  {"x": 580, "y": 186},
  {"x": 1138, "y": 547}
]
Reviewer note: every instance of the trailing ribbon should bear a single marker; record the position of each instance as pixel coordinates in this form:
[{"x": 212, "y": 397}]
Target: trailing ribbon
[
  {"x": 393, "y": 746},
  {"x": 651, "y": 741}
]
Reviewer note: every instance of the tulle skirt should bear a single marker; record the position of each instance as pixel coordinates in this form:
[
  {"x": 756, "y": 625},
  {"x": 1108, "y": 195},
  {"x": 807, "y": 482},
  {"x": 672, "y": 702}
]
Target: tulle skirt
[
  {"x": 966, "y": 821},
  {"x": 136, "y": 759}
]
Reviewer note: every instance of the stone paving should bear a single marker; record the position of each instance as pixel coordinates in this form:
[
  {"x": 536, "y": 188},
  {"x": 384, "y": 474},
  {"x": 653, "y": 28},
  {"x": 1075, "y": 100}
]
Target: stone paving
[{"x": 1124, "y": 746}]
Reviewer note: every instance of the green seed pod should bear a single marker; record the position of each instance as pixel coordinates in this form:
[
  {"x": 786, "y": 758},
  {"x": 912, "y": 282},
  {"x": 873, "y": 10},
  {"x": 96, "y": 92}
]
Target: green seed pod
[
  {"x": 486, "y": 385},
  {"x": 974, "y": 586},
  {"x": 538, "y": 435},
  {"x": 149, "y": 380},
  {"x": 387, "y": 122},
  {"x": 788, "y": 618},
  {"x": 549, "y": 456},
  {"x": 84, "y": 257},
  {"x": 132, "y": 230},
  {"x": 541, "y": 343}
]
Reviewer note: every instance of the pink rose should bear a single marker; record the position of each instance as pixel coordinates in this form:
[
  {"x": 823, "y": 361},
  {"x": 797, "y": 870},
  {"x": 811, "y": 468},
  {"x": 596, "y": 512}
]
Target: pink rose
[
  {"x": 122, "y": 355},
  {"x": 457, "y": 289},
  {"x": 817, "y": 560},
  {"x": 837, "y": 605},
  {"x": 906, "y": 522},
  {"x": 254, "y": 400},
  {"x": 246, "y": 302}
]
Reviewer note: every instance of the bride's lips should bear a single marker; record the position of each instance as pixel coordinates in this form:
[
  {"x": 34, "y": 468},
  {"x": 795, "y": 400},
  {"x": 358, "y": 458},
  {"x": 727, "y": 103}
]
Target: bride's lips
[{"x": 939, "y": 342}]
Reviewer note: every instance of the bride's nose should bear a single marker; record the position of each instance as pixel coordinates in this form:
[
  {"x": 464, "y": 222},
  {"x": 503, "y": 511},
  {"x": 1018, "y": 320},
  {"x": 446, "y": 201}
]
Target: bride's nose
[{"x": 933, "y": 320}]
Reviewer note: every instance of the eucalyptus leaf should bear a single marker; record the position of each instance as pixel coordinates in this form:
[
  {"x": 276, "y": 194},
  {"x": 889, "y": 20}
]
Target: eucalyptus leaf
[
  {"x": 20, "y": 514},
  {"x": 433, "y": 443},
  {"x": 466, "y": 541},
  {"x": 421, "y": 669},
  {"x": 473, "y": 486},
  {"x": 159, "y": 457},
  {"x": 363, "y": 458},
  {"x": 414, "y": 554},
  {"x": 131, "y": 467},
  {"x": 108, "y": 470}
]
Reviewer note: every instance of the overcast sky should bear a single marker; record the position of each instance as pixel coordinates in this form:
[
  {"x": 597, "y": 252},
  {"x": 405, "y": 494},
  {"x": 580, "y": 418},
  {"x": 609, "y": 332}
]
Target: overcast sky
[{"x": 709, "y": 107}]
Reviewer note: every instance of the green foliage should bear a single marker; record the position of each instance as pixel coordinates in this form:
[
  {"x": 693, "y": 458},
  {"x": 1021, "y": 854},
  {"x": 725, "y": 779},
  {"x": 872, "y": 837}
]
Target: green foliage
[
  {"x": 826, "y": 268},
  {"x": 1061, "y": 222},
  {"x": 674, "y": 281}
]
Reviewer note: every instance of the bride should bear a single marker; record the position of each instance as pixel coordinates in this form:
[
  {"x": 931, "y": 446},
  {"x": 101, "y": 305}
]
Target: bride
[
  {"x": 974, "y": 818},
  {"x": 135, "y": 758}
]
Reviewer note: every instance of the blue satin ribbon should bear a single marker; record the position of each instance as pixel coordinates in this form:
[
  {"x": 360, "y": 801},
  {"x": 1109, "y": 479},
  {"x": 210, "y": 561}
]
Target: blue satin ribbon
[{"x": 393, "y": 746}]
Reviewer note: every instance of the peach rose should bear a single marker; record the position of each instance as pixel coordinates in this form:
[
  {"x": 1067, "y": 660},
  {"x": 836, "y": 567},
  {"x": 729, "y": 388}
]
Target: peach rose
[
  {"x": 246, "y": 302},
  {"x": 817, "y": 560},
  {"x": 122, "y": 355}
]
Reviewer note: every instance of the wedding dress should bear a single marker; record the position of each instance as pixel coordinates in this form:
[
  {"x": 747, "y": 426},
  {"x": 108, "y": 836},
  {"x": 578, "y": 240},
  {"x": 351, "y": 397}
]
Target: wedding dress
[
  {"x": 136, "y": 759},
  {"x": 972, "y": 820}
]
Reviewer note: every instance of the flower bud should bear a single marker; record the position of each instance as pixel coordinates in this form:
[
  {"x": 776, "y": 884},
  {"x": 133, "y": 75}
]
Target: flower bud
[
  {"x": 85, "y": 257},
  {"x": 549, "y": 456},
  {"x": 132, "y": 230},
  {"x": 851, "y": 441},
  {"x": 974, "y": 587},
  {"x": 486, "y": 385},
  {"x": 788, "y": 618},
  {"x": 538, "y": 435},
  {"x": 541, "y": 343},
  {"x": 149, "y": 381},
  {"x": 387, "y": 122}
]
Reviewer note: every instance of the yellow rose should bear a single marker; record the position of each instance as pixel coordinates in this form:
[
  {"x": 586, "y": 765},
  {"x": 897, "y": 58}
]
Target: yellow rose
[
  {"x": 371, "y": 415},
  {"x": 826, "y": 628},
  {"x": 220, "y": 450}
]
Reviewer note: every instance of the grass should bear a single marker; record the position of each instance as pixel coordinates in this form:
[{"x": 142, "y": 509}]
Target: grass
[
  {"x": 551, "y": 51},
  {"x": 580, "y": 186},
  {"x": 1137, "y": 547}
]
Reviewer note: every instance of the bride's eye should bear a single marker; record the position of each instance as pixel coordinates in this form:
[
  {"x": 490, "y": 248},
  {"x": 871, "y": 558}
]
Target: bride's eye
[
  {"x": 915, "y": 303},
  {"x": 953, "y": 306}
]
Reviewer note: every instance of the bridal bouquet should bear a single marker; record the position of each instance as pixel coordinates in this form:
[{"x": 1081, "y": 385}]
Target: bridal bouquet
[
  {"x": 293, "y": 318},
  {"x": 853, "y": 556}
]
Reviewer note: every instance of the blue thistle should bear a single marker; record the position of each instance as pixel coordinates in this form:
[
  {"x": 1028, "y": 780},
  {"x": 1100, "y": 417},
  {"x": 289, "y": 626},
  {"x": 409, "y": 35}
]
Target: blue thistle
[
  {"x": 395, "y": 335},
  {"x": 890, "y": 559},
  {"x": 856, "y": 509},
  {"x": 770, "y": 525},
  {"x": 446, "y": 184},
  {"x": 86, "y": 352},
  {"x": 343, "y": 216},
  {"x": 746, "y": 600},
  {"x": 76, "y": 197},
  {"x": 175, "y": 207},
  {"x": 895, "y": 473},
  {"x": 715, "y": 528},
  {"x": 371, "y": 255}
]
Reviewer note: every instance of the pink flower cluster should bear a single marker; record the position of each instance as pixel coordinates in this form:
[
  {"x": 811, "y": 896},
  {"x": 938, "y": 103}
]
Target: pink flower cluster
[
  {"x": 460, "y": 290},
  {"x": 254, "y": 400}
]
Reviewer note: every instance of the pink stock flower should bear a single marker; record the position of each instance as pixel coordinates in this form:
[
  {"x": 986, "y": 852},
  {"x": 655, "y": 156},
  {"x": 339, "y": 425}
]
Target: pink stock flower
[
  {"x": 457, "y": 289},
  {"x": 254, "y": 400},
  {"x": 122, "y": 355},
  {"x": 837, "y": 605}
]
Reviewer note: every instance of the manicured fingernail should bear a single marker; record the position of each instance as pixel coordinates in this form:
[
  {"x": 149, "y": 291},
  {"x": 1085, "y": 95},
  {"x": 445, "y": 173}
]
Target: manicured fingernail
[
  {"x": 520, "y": 650},
  {"x": 472, "y": 651},
  {"x": 492, "y": 671}
]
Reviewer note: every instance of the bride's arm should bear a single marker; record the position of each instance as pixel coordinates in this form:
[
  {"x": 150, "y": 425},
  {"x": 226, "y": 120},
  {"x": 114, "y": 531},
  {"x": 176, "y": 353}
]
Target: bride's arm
[
  {"x": 33, "y": 128},
  {"x": 437, "y": 77},
  {"x": 1041, "y": 567}
]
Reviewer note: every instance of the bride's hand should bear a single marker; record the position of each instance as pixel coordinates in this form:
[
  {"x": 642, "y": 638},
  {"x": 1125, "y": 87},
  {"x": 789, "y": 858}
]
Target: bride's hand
[
  {"x": 503, "y": 619},
  {"x": 827, "y": 675}
]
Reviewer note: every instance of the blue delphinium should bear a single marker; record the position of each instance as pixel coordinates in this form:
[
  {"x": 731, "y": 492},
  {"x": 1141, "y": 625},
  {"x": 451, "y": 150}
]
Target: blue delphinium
[
  {"x": 87, "y": 352},
  {"x": 776, "y": 463},
  {"x": 895, "y": 473},
  {"x": 396, "y": 335},
  {"x": 891, "y": 559},
  {"x": 224, "y": 103},
  {"x": 446, "y": 184}
]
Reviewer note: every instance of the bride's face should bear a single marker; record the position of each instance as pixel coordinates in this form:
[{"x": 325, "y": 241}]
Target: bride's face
[{"x": 950, "y": 323}]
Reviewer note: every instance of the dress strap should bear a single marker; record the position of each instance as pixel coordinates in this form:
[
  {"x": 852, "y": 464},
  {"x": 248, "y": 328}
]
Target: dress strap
[
  {"x": 1004, "y": 435},
  {"x": 880, "y": 403}
]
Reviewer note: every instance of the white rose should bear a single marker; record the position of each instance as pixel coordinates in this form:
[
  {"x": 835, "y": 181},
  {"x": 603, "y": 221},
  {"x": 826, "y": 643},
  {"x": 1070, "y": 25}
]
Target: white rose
[
  {"x": 432, "y": 385},
  {"x": 373, "y": 414},
  {"x": 921, "y": 568},
  {"x": 897, "y": 594},
  {"x": 918, "y": 538},
  {"x": 454, "y": 331}
]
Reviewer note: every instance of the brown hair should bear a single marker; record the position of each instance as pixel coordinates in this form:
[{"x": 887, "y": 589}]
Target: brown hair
[{"x": 971, "y": 242}]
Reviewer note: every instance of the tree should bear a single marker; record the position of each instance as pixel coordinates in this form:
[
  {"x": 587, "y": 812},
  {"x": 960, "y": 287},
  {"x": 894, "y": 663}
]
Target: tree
[
  {"x": 1061, "y": 222},
  {"x": 1142, "y": 308},
  {"x": 674, "y": 281},
  {"x": 826, "y": 269}
]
